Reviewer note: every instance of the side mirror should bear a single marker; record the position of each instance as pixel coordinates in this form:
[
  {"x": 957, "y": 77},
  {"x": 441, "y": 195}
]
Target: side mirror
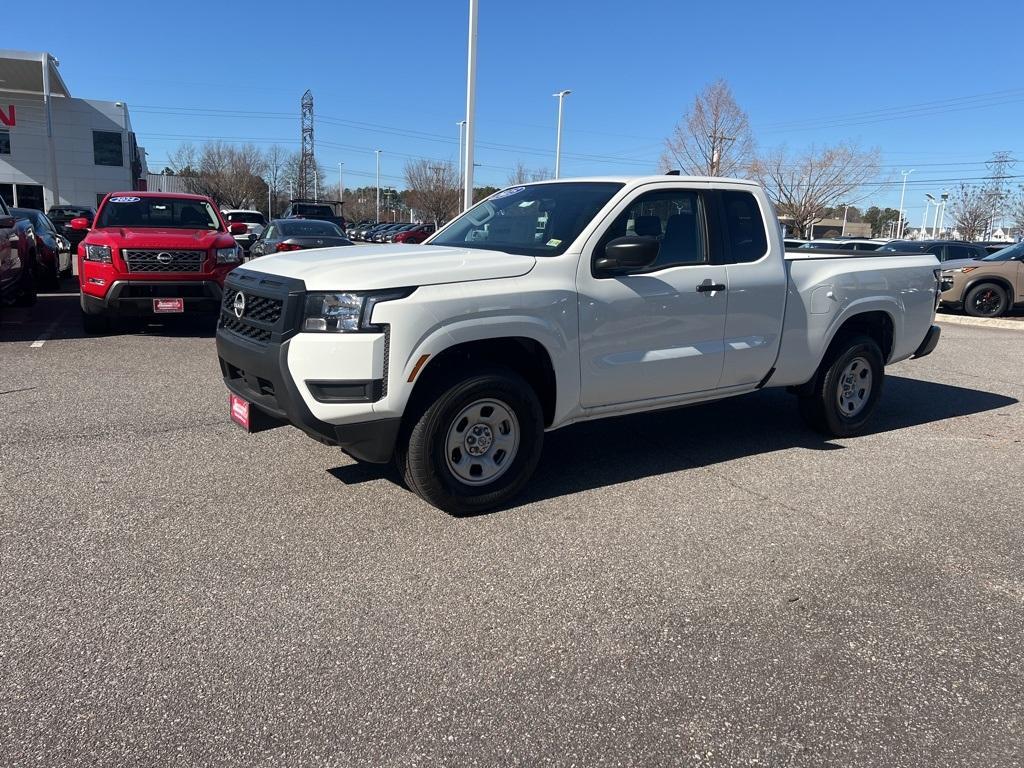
[
  {"x": 237, "y": 228},
  {"x": 81, "y": 223},
  {"x": 628, "y": 253}
]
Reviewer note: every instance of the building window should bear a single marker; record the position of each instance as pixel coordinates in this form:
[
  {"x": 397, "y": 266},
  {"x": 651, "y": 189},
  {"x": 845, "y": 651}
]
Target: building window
[
  {"x": 106, "y": 148},
  {"x": 5, "y": 142},
  {"x": 7, "y": 193}
]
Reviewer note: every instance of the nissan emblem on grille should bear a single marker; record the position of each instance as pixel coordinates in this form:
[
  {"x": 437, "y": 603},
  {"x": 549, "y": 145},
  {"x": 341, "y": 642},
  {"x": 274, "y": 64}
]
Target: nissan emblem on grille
[
  {"x": 164, "y": 257},
  {"x": 239, "y": 304}
]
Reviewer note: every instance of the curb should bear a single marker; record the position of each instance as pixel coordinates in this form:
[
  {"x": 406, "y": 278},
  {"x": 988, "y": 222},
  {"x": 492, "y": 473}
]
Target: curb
[{"x": 980, "y": 322}]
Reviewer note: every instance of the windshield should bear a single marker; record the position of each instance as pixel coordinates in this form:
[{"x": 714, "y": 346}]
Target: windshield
[
  {"x": 163, "y": 212},
  {"x": 301, "y": 228},
  {"x": 245, "y": 217},
  {"x": 1015, "y": 251},
  {"x": 532, "y": 220}
]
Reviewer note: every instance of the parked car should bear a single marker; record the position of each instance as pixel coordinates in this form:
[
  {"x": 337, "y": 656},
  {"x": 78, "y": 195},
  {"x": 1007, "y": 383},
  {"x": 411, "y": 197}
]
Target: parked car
[
  {"x": 986, "y": 287},
  {"x": 944, "y": 250},
  {"x": 353, "y": 230},
  {"x": 254, "y": 223},
  {"x": 151, "y": 253},
  {"x": 62, "y": 215},
  {"x": 296, "y": 235},
  {"x": 793, "y": 242},
  {"x": 311, "y": 209},
  {"x": 389, "y": 236},
  {"x": 52, "y": 257},
  {"x": 843, "y": 244},
  {"x": 17, "y": 259},
  {"x": 380, "y": 235},
  {"x": 459, "y": 354},
  {"x": 994, "y": 246},
  {"x": 417, "y": 234}
]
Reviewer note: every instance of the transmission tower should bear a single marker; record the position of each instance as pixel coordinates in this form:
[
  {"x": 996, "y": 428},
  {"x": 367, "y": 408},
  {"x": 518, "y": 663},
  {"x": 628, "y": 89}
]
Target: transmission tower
[
  {"x": 995, "y": 190},
  {"x": 307, "y": 162}
]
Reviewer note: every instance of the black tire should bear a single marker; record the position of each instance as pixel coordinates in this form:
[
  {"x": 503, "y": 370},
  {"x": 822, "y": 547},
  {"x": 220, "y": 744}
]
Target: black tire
[
  {"x": 422, "y": 454},
  {"x": 27, "y": 290},
  {"x": 820, "y": 404},
  {"x": 47, "y": 279},
  {"x": 95, "y": 324},
  {"x": 986, "y": 300}
]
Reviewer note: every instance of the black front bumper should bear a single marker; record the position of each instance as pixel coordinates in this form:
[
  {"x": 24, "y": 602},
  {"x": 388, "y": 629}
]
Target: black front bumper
[
  {"x": 257, "y": 371},
  {"x": 134, "y": 298},
  {"x": 931, "y": 340}
]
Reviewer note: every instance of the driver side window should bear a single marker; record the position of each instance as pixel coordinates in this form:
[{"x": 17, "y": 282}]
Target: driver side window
[{"x": 674, "y": 217}]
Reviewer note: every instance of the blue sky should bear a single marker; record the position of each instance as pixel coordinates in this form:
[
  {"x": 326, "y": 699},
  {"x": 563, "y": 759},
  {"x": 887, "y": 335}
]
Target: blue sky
[{"x": 935, "y": 86}]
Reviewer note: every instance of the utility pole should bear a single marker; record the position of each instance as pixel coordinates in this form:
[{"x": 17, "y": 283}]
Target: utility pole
[
  {"x": 716, "y": 151},
  {"x": 846, "y": 210},
  {"x": 341, "y": 183},
  {"x": 470, "y": 103},
  {"x": 558, "y": 138},
  {"x": 942, "y": 212},
  {"x": 902, "y": 193}
]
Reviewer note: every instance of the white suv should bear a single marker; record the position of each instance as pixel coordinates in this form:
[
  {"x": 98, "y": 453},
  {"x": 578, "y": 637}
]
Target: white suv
[{"x": 254, "y": 222}]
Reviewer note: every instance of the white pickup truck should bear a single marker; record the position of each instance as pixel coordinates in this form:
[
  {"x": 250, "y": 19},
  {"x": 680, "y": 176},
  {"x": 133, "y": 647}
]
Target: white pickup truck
[{"x": 558, "y": 302}]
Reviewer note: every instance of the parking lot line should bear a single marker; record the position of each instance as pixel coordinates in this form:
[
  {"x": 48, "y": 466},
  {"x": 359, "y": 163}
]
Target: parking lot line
[{"x": 45, "y": 335}]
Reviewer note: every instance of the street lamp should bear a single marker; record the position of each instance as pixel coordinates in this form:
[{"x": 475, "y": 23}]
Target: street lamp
[
  {"x": 341, "y": 183},
  {"x": 942, "y": 210},
  {"x": 462, "y": 178},
  {"x": 470, "y": 103},
  {"x": 927, "y": 206},
  {"x": 558, "y": 139},
  {"x": 378, "y": 183},
  {"x": 902, "y": 193}
]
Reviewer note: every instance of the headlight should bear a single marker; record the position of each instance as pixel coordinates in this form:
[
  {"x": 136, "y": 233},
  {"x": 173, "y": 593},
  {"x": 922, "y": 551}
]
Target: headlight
[
  {"x": 345, "y": 312},
  {"x": 98, "y": 253},
  {"x": 231, "y": 255}
]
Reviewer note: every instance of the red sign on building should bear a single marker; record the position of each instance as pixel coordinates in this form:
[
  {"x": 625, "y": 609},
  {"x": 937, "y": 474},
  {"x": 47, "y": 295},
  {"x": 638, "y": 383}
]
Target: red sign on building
[{"x": 8, "y": 119}]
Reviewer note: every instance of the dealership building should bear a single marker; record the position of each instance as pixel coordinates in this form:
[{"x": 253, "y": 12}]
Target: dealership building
[{"x": 58, "y": 149}]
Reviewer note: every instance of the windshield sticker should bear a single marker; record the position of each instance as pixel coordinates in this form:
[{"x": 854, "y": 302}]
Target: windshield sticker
[
  {"x": 125, "y": 199},
  {"x": 507, "y": 192},
  {"x": 553, "y": 243}
]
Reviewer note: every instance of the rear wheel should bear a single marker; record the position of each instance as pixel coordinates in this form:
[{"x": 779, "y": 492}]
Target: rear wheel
[
  {"x": 846, "y": 389},
  {"x": 986, "y": 300},
  {"x": 475, "y": 445}
]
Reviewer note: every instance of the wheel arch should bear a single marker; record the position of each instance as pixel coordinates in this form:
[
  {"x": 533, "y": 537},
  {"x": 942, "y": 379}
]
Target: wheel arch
[{"x": 999, "y": 280}]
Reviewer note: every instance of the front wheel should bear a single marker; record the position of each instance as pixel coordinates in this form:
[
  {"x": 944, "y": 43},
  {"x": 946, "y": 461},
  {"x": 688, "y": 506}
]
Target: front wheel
[
  {"x": 27, "y": 291},
  {"x": 845, "y": 391},
  {"x": 986, "y": 300},
  {"x": 475, "y": 445}
]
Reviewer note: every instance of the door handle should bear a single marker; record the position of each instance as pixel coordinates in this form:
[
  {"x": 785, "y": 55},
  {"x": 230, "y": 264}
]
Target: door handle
[{"x": 709, "y": 287}]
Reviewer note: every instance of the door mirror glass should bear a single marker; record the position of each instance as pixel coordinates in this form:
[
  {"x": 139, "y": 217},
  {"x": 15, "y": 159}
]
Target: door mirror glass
[{"x": 624, "y": 254}]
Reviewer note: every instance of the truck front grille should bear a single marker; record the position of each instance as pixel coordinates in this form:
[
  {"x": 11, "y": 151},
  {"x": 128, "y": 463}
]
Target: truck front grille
[
  {"x": 164, "y": 261},
  {"x": 259, "y": 315}
]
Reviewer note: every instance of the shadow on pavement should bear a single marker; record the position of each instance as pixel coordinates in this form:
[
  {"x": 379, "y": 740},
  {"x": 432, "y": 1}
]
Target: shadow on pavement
[
  {"x": 56, "y": 314},
  {"x": 611, "y": 451}
]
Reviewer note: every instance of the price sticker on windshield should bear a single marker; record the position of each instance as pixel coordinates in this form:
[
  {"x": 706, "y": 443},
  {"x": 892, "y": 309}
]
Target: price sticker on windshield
[
  {"x": 124, "y": 199},
  {"x": 507, "y": 192}
]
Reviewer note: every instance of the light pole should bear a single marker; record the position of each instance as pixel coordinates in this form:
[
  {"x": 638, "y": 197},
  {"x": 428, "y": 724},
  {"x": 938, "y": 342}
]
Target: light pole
[
  {"x": 942, "y": 210},
  {"x": 927, "y": 207},
  {"x": 558, "y": 138},
  {"x": 341, "y": 183},
  {"x": 462, "y": 178},
  {"x": 846, "y": 210},
  {"x": 470, "y": 103},
  {"x": 378, "y": 183},
  {"x": 902, "y": 193}
]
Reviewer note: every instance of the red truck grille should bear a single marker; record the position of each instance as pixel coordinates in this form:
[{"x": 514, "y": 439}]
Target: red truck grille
[{"x": 164, "y": 261}]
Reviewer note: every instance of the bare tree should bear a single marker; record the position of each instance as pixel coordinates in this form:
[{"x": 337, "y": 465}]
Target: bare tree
[
  {"x": 804, "y": 186},
  {"x": 1015, "y": 211},
  {"x": 713, "y": 138},
  {"x": 231, "y": 175},
  {"x": 523, "y": 175},
  {"x": 970, "y": 208},
  {"x": 433, "y": 189}
]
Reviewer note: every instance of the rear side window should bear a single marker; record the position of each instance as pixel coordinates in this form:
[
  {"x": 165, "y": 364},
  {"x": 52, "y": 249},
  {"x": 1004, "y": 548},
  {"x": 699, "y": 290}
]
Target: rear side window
[
  {"x": 675, "y": 217},
  {"x": 744, "y": 227}
]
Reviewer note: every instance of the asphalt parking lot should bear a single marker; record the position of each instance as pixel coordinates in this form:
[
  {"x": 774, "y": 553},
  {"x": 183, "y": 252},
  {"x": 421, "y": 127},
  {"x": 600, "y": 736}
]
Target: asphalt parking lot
[{"x": 715, "y": 585}]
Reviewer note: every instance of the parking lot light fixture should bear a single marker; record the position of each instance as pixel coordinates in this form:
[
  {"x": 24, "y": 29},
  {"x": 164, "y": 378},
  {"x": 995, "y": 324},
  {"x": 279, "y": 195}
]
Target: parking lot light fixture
[
  {"x": 558, "y": 138},
  {"x": 378, "y": 184},
  {"x": 470, "y": 104},
  {"x": 903, "y": 191}
]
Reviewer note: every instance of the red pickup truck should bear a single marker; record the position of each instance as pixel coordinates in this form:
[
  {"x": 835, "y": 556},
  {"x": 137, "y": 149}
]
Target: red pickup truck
[{"x": 152, "y": 253}]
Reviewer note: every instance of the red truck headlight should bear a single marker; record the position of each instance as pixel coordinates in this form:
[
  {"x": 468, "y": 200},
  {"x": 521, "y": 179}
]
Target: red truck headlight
[{"x": 98, "y": 253}]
